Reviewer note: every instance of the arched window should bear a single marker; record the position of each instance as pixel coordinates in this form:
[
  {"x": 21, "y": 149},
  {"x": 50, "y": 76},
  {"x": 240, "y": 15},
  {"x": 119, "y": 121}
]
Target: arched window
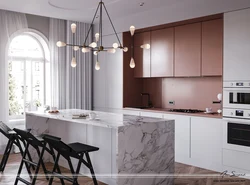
[{"x": 29, "y": 73}]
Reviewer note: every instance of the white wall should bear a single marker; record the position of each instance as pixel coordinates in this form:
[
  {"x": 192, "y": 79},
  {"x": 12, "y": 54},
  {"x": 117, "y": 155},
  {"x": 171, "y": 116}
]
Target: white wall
[
  {"x": 108, "y": 81},
  {"x": 38, "y": 23}
]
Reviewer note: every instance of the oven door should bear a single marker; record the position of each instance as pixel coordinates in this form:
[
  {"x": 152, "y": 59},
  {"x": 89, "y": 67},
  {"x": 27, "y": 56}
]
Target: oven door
[
  {"x": 236, "y": 98},
  {"x": 236, "y": 134}
]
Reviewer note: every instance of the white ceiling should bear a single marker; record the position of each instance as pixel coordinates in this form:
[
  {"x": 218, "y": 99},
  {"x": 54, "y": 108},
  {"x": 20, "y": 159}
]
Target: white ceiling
[{"x": 83, "y": 10}]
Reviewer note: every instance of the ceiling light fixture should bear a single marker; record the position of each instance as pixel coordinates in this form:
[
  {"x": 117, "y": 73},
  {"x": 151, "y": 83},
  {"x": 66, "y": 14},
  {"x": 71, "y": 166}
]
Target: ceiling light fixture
[{"x": 97, "y": 45}]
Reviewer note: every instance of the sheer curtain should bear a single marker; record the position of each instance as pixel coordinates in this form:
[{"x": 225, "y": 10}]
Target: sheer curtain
[
  {"x": 72, "y": 86},
  {"x": 10, "y": 22}
]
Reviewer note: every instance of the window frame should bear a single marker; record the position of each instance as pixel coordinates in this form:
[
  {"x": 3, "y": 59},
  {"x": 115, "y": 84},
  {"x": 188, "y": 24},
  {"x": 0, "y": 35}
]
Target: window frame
[{"x": 43, "y": 44}]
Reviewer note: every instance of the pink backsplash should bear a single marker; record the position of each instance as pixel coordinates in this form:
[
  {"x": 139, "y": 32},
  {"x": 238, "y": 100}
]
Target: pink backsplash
[{"x": 188, "y": 93}]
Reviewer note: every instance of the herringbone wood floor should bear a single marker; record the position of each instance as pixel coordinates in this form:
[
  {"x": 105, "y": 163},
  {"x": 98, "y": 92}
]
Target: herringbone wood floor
[{"x": 184, "y": 175}]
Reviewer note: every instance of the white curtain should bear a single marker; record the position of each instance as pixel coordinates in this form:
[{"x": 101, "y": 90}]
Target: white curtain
[
  {"x": 72, "y": 86},
  {"x": 10, "y": 22}
]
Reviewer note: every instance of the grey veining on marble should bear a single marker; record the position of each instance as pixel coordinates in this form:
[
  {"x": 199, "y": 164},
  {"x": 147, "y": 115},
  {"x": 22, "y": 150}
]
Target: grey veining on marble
[
  {"x": 134, "y": 150},
  {"x": 146, "y": 154},
  {"x": 104, "y": 119}
]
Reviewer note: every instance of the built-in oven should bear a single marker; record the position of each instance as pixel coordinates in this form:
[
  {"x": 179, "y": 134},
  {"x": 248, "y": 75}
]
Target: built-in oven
[
  {"x": 236, "y": 95},
  {"x": 236, "y": 129}
]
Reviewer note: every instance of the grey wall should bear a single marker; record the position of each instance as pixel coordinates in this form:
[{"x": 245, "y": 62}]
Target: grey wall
[{"x": 38, "y": 23}]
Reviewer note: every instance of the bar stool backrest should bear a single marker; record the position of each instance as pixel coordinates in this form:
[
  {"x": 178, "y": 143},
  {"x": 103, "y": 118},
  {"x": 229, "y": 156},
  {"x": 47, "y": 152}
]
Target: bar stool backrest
[
  {"x": 28, "y": 137},
  {"x": 61, "y": 147},
  {"x": 4, "y": 129}
]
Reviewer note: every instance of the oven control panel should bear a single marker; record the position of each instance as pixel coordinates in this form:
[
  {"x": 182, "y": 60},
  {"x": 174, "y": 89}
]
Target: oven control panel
[
  {"x": 236, "y": 113},
  {"x": 236, "y": 84}
]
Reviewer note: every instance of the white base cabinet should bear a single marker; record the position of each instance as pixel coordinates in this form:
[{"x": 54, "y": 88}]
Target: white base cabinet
[
  {"x": 206, "y": 143},
  {"x": 198, "y": 140},
  {"x": 182, "y": 137}
]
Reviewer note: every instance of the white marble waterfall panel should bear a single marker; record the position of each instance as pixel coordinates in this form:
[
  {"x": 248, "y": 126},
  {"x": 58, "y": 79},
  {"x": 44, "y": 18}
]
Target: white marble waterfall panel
[
  {"x": 102, "y": 161},
  {"x": 146, "y": 154},
  {"x": 38, "y": 126}
]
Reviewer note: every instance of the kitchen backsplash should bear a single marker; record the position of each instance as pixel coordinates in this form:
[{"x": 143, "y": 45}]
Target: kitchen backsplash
[{"x": 186, "y": 93}]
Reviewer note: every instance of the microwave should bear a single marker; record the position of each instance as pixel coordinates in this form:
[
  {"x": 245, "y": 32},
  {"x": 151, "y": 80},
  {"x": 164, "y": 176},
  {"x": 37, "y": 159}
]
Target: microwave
[{"x": 236, "y": 95}]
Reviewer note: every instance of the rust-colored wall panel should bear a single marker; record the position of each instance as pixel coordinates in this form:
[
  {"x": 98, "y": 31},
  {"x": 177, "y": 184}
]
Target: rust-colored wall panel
[
  {"x": 162, "y": 53},
  {"x": 212, "y": 47},
  {"x": 191, "y": 93},
  {"x": 153, "y": 86},
  {"x": 188, "y": 50},
  {"x": 141, "y": 56},
  {"x": 132, "y": 87}
]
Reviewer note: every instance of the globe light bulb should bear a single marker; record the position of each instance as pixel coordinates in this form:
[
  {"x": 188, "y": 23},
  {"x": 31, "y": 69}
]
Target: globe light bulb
[
  {"x": 97, "y": 36},
  {"x": 125, "y": 49},
  {"x": 73, "y": 28},
  {"x": 111, "y": 50},
  {"x": 132, "y": 63},
  {"x": 85, "y": 50},
  {"x": 95, "y": 52},
  {"x": 76, "y": 48},
  {"x": 97, "y": 66},
  {"x": 145, "y": 46},
  {"x": 61, "y": 44},
  {"x": 132, "y": 30},
  {"x": 73, "y": 62},
  {"x": 115, "y": 45},
  {"x": 93, "y": 45}
]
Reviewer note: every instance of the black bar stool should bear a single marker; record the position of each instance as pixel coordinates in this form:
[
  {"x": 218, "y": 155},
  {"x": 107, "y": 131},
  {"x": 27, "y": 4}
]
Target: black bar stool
[
  {"x": 36, "y": 143},
  {"x": 12, "y": 139},
  {"x": 74, "y": 150}
]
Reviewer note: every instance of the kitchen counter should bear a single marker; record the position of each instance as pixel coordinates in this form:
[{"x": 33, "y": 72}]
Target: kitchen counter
[
  {"x": 166, "y": 111},
  {"x": 130, "y": 147}
]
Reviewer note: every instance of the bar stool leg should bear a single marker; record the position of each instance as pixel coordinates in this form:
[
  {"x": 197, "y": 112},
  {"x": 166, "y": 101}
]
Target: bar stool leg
[
  {"x": 91, "y": 168},
  {"x": 38, "y": 165},
  {"x": 54, "y": 169},
  {"x": 21, "y": 166},
  {"x": 22, "y": 153},
  {"x": 57, "y": 166},
  {"x": 75, "y": 182},
  {"x": 6, "y": 155}
]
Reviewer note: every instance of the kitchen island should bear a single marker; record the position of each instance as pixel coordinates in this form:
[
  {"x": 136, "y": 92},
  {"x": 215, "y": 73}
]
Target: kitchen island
[{"x": 133, "y": 150}]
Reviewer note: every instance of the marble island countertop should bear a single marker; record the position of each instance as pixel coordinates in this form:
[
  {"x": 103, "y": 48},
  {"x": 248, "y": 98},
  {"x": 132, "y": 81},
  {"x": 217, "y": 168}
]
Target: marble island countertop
[{"x": 103, "y": 119}]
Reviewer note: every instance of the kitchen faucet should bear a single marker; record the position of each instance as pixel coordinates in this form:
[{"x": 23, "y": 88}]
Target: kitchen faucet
[{"x": 149, "y": 101}]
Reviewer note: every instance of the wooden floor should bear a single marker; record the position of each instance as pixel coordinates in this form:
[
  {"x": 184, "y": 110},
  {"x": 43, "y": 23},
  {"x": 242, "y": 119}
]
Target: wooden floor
[{"x": 184, "y": 175}]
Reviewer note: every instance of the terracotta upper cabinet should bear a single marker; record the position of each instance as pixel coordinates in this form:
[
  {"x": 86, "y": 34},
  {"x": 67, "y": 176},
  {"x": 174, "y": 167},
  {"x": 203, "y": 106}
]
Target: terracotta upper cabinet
[
  {"x": 141, "y": 56},
  {"x": 188, "y": 50},
  {"x": 212, "y": 48},
  {"x": 162, "y": 53}
]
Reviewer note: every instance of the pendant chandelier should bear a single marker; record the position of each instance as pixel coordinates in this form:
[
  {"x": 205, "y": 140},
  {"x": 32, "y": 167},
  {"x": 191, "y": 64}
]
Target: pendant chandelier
[{"x": 97, "y": 46}]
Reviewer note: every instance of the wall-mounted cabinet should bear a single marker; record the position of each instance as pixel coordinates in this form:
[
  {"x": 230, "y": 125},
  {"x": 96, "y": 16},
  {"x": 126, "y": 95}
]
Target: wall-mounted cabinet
[
  {"x": 212, "y": 48},
  {"x": 141, "y": 56},
  {"x": 162, "y": 53},
  {"x": 188, "y": 50},
  {"x": 237, "y": 45}
]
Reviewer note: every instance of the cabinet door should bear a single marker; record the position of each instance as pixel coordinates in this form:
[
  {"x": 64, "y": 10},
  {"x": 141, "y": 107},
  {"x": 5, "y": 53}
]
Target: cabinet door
[
  {"x": 141, "y": 56},
  {"x": 162, "y": 51},
  {"x": 237, "y": 45},
  {"x": 182, "y": 137},
  {"x": 206, "y": 143},
  {"x": 188, "y": 50},
  {"x": 212, "y": 48}
]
